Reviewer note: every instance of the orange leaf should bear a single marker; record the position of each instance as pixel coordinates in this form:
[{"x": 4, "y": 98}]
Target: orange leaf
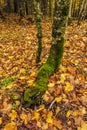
[
  {"x": 57, "y": 124},
  {"x": 10, "y": 126}
]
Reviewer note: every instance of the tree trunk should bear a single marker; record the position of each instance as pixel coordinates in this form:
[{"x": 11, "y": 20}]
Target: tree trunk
[
  {"x": 11, "y": 6},
  {"x": 82, "y": 11},
  {"x": 44, "y": 7},
  {"x": 70, "y": 14},
  {"x": 39, "y": 30},
  {"x": 34, "y": 95}
]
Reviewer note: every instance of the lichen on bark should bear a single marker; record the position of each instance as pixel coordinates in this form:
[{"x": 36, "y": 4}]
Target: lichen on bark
[
  {"x": 34, "y": 95},
  {"x": 38, "y": 17}
]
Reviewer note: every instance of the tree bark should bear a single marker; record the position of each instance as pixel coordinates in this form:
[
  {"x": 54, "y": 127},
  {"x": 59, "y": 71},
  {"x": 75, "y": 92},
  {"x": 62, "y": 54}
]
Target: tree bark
[
  {"x": 39, "y": 29},
  {"x": 70, "y": 14},
  {"x": 34, "y": 95},
  {"x": 83, "y": 10}
]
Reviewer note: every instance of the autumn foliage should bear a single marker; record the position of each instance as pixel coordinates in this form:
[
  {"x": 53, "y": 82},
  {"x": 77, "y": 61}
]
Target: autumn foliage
[{"x": 64, "y": 105}]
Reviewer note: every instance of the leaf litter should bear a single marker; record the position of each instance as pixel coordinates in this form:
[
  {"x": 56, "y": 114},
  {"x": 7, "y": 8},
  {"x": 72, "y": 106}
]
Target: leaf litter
[{"x": 64, "y": 105}]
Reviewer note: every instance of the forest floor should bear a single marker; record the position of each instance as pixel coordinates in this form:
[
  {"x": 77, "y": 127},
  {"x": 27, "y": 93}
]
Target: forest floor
[{"x": 64, "y": 105}]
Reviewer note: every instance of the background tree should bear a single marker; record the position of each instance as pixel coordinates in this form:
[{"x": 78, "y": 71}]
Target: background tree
[
  {"x": 2, "y": 6},
  {"x": 38, "y": 16},
  {"x": 34, "y": 94},
  {"x": 83, "y": 11},
  {"x": 70, "y": 13},
  {"x": 78, "y": 8}
]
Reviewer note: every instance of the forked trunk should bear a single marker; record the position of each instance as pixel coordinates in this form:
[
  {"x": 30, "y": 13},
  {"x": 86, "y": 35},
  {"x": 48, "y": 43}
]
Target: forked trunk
[{"x": 34, "y": 95}]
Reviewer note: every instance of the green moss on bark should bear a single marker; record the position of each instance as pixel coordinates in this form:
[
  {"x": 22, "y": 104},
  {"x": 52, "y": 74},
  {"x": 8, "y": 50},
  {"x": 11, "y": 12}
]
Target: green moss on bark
[
  {"x": 34, "y": 95},
  {"x": 56, "y": 53}
]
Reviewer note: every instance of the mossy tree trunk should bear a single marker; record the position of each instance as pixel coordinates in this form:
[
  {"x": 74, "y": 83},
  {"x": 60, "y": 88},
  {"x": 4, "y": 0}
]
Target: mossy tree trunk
[
  {"x": 34, "y": 95},
  {"x": 38, "y": 16}
]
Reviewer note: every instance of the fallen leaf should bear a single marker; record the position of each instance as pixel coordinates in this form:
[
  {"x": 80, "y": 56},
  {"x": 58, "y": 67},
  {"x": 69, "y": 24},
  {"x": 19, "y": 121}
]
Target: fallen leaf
[
  {"x": 51, "y": 84},
  {"x": 7, "y": 107},
  {"x": 10, "y": 126},
  {"x": 0, "y": 120},
  {"x": 68, "y": 87},
  {"x": 49, "y": 120},
  {"x": 11, "y": 57},
  {"x": 83, "y": 126},
  {"x": 33, "y": 74},
  {"x": 72, "y": 70},
  {"x": 76, "y": 113},
  {"x": 44, "y": 126},
  {"x": 13, "y": 115},
  {"x": 41, "y": 107},
  {"x": 23, "y": 70},
  {"x": 68, "y": 113},
  {"x": 30, "y": 82},
  {"x": 57, "y": 123},
  {"x": 58, "y": 99},
  {"x": 57, "y": 110},
  {"x": 49, "y": 117},
  {"x": 36, "y": 116},
  {"x": 24, "y": 118},
  {"x": 39, "y": 124},
  {"x": 46, "y": 96}
]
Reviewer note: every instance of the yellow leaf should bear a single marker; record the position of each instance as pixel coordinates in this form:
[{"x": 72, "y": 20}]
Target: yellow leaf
[
  {"x": 50, "y": 114},
  {"x": 68, "y": 113},
  {"x": 69, "y": 87},
  {"x": 76, "y": 113},
  {"x": 10, "y": 126},
  {"x": 10, "y": 85},
  {"x": 44, "y": 126},
  {"x": 24, "y": 118},
  {"x": 11, "y": 57},
  {"x": 49, "y": 120},
  {"x": 46, "y": 96},
  {"x": 22, "y": 77},
  {"x": 83, "y": 126},
  {"x": 67, "y": 43},
  {"x": 49, "y": 117},
  {"x": 36, "y": 116},
  {"x": 40, "y": 108},
  {"x": 58, "y": 99},
  {"x": 83, "y": 111},
  {"x": 39, "y": 124},
  {"x": 51, "y": 85},
  {"x": 0, "y": 120},
  {"x": 23, "y": 70},
  {"x": 30, "y": 82},
  {"x": 17, "y": 103},
  {"x": 81, "y": 77},
  {"x": 57, "y": 110},
  {"x": 62, "y": 69},
  {"x": 33, "y": 74},
  {"x": 13, "y": 115},
  {"x": 63, "y": 77}
]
